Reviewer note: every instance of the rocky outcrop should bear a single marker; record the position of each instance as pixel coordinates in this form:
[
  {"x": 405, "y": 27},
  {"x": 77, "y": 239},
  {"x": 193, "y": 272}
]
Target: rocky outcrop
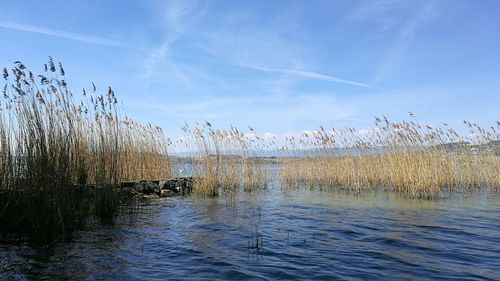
[{"x": 159, "y": 188}]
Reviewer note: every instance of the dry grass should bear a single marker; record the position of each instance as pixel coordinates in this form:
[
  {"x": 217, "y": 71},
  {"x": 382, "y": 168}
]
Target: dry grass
[
  {"x": 404, "y": 157},
  {"x": 420, "y": 161},
  {"x": 225, "y": 160},
  {"x": 51, "y": 140}
]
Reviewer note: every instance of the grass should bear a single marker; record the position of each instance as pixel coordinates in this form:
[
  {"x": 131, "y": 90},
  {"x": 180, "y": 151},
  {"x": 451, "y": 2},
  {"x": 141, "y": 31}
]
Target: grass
[{"x": 53, "y": 143}]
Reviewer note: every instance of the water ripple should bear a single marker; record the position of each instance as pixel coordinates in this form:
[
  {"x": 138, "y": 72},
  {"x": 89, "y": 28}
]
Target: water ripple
[{"x": 271, "y": 236}]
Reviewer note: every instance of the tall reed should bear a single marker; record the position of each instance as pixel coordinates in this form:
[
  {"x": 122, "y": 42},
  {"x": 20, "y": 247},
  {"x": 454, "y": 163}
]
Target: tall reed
[
  {"x": 406, "y": 157},
  {"x": 53, "y": 145},
  {"x": 225, "y": 160}
]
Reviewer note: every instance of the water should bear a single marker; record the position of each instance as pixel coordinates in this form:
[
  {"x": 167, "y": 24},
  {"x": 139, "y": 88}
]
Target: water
[{"x": 301, "y": 235}]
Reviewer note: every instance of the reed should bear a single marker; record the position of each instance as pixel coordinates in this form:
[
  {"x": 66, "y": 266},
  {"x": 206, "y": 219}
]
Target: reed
[
  {"x": 55, "y": 145},
  {"x": 405, "y": 157},
  {"x": 225, "y": 160},
  {"x": 63, "y": 155}
]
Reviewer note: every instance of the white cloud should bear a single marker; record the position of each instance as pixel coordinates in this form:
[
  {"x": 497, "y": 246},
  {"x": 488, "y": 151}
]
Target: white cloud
[
  {"x": 268, "y": 136},
  {"x": 396, "y": 53},
  {"x": 397, "y": 22},
  {"x": 69, "y": 35},
  {"x": 367, "y": 131},
  {"x": 178, "y": 17},
  {"x": 308, "y": 74},
  {"x": 255, "y": 110}
]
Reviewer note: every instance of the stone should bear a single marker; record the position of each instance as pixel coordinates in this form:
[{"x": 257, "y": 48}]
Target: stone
[
  {"x": 149, "y": 196},
  {"x": 167, "y": 193},
  {"x": 147, "y": 187},
  {"x": 163, "y": 188}
]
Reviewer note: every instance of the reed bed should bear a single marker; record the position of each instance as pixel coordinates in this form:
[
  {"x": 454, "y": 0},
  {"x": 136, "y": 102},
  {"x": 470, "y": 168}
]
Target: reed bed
[
  {"x": 63, "y": 155},
  {"x": 54, "y": 145},
  {"x": 420, "y": 161},
  {"x": 405, "y": 157},
  {"x": 225, "y": 160}
]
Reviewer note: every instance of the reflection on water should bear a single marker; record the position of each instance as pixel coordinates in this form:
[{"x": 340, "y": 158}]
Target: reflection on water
[{"x": 269, "y": 234}]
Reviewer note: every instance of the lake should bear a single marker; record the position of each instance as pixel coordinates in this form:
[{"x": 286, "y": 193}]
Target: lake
[{"x": 270, "y": 235}]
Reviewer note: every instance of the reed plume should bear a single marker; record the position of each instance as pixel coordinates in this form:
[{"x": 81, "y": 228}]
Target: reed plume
[{"x": 53, "y": 145}]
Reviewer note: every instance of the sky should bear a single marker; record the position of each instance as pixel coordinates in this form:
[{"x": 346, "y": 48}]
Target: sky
[{"x": 282, "y": 67}]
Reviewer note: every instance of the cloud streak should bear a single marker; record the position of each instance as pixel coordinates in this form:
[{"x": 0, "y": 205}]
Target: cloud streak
[
  {"x": 178, "y": 16},
  {"x": 255, "y": 50},
  {"x": 258, "y": 110},
  {"x": 307, "y": 74},
  {"x": 396, "y": 53},
  {"x": 69, "y": 35}
]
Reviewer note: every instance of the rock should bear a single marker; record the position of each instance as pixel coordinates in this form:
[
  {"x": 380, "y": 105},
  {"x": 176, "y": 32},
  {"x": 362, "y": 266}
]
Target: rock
[
  {"x": 149, "y": 196},
  {"x": 163, "y": 188},
  {"x": 147, "y": 187},
  {"x": 166, "y": 193},
  {"x": 184, "y": 185}
]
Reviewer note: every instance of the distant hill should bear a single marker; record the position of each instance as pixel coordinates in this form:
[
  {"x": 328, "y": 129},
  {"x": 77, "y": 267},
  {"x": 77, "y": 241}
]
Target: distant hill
[
  {"x": 460, "y": 147},
  {"x": 453, "y": 147}
]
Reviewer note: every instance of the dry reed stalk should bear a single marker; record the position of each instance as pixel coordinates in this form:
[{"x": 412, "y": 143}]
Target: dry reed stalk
[
  {"x": 419, "y": 161},
  {"x": 51, "y": 140},
  {"x": 225, "y": 161}
]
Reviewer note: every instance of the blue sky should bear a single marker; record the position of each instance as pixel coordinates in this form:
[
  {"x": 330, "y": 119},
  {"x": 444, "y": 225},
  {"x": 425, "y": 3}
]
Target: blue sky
[{"x": 280, "y": 66}]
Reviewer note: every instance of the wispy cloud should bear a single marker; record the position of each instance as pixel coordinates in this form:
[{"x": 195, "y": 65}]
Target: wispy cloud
[
  {"x": 178, "y": 17},
  {"x": 383, "y": 15},
  {"x": 69, "y": 35},
  {"x": 287, "y": 109},
  {"x": 308, "y": 74},
  {"x": 262, "y": 47},
  {"x": 152, "y": 58},
  {"x": 402, "y": 42}
]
